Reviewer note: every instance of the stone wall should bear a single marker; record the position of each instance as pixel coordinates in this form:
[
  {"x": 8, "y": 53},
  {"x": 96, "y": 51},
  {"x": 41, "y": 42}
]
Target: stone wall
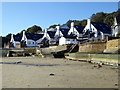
[
  {"x": 92, "y": 47},
  {"x": 113, "y": 44}
]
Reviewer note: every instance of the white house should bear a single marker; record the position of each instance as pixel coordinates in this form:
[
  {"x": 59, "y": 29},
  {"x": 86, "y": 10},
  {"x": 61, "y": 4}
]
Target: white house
[
  {"x": 115, "y": 28},
  {"x": 15, "y": 40},
  {"x": 62, "y": 30},
  {"x": 58, "y": 32},
  {"x": 75, "y": 30},
  {"x": 68, "y": 40},
  {"x": 31, "y": 39},
  {"x": 94, "y": 29}
]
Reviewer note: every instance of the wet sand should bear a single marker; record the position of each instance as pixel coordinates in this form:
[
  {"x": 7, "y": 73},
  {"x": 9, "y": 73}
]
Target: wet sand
[{"x": 56, "y": 73}]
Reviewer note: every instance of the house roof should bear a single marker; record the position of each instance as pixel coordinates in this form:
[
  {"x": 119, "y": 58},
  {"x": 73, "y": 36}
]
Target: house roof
[
  {"x": 33, "y": 36},
  {"x": 17, "y": 37},
  {"x": 64, "y": 26},
  {"x": 50, "y": 29},
  {"x": 118, "y": 17},
  {"x": 64, "y": 31},
  {"x": 51, "y": 33},
  {"x": 102, "y": 27},
  {"x": 79, "y": 28}
]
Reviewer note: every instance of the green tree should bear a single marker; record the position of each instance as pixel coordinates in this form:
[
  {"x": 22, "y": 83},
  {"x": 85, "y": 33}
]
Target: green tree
[
  {"x": 34, "y": 29},
  {"x": 53, "y": 26},
  {"x": 98, "y": 17},
  {"x": 77, "y": 22},
  {"x": 109, "y": 20}
]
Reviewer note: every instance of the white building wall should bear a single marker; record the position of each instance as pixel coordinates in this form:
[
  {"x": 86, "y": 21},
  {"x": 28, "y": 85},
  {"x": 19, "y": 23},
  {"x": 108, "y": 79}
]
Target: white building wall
[
  {"x": 115, "y": 28},
  {"x": 31, "y": 43},
  {"x": 58, "y": 32},
  {"x": 93, "y": 29},
  {"x": 63, "y": 41},
  {"x": 13, "y": 41},
  {"x": 73, "y": 30},
  {"x": 24, "y": 38}
]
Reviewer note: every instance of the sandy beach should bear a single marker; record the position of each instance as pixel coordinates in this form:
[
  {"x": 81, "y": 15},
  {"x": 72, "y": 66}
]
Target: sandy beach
[{"x": 56, "y": 73}]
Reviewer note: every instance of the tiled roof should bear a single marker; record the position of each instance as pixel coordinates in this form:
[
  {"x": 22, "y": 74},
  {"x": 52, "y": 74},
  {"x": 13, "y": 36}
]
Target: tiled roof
[
  {"x": 17, "y": 37},
  {"x": 33, "y": 36},
  {"x": 102, "y": 27},
  {"x": 64, "y": 31},
  {"x": 118, "y": 19},
  {"x": 51, "y": 33},
  {"x": 79, "y": 28}
]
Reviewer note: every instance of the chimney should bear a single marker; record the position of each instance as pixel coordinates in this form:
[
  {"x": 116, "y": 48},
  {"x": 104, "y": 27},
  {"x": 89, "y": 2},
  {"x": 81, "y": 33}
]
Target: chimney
[
  {"x": 89, "y": 26},
  {"x": 115, "y": 22},
  {"x": 45, "y": 33},
  {"x": 72, "y": 27},
  {"x": 12, "y": 38},
  {"x": 88, "y": 21},
  {"x": 58, "y": 30},
  {"x": 23, "y": 38}
]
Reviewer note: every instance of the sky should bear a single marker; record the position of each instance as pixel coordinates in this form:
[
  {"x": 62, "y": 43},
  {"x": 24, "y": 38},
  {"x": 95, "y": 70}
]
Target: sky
[{"x": 18, "y": 16}]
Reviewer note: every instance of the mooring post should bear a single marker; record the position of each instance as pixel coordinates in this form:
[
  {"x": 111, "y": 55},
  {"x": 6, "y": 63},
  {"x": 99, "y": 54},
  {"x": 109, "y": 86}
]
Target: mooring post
[
  {"x": 89, "y": 56},
  {"x": 8, "y": 54},
  {"x": 23, "y": 51}
]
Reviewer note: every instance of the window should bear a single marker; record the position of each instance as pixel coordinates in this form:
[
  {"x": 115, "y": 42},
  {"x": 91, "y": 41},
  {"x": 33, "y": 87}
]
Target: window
[{"x": 33, "y": 42}]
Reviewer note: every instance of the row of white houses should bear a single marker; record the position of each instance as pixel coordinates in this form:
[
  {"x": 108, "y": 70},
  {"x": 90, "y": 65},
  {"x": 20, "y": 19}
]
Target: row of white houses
[{"x": 63, "y": 34}]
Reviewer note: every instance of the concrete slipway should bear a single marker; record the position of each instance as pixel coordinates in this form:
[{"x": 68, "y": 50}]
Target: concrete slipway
[{"x": 106, "y": 59}]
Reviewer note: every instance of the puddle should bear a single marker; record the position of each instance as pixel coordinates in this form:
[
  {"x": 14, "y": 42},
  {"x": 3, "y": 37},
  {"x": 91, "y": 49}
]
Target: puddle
[{"x": 34, "y": 64}]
